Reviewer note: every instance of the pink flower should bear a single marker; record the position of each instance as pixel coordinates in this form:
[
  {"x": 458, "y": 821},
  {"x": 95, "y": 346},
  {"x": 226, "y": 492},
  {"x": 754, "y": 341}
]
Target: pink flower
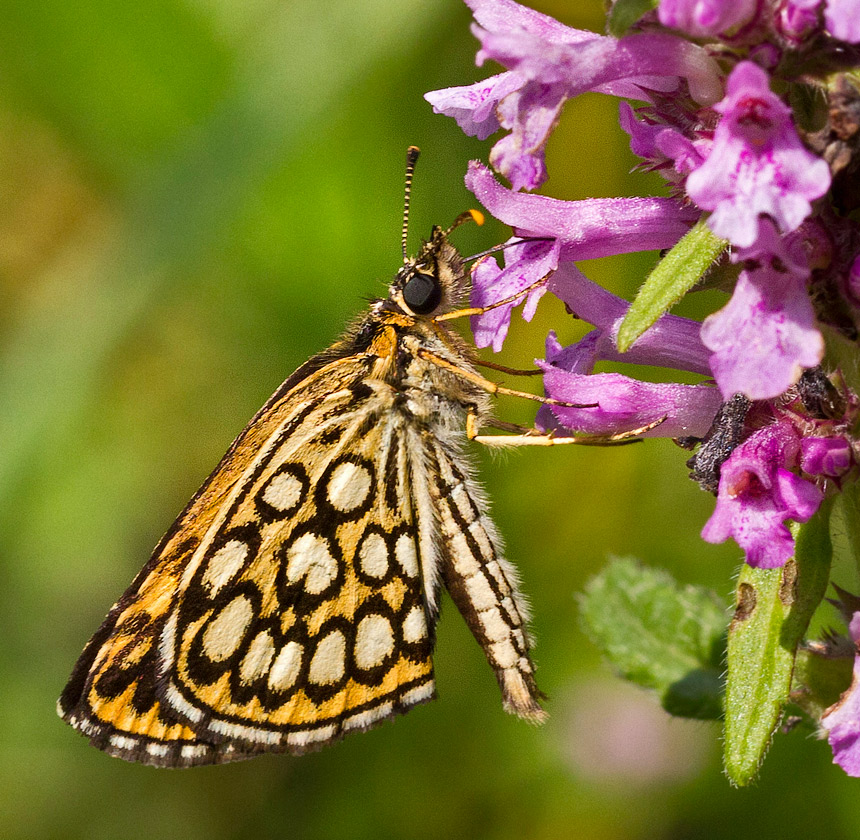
[
  {"x": 766, "y": 335},
  {"x": 551, "y": 63},
  {"x": 842, "y": 720},
  {"x": 623, "y": 403},
  {"x": 758, "y": 492},
  {"x": 706, "y": 18},
  {"x": 757, "y": 164},
  {"x": 581, "y": 229}
]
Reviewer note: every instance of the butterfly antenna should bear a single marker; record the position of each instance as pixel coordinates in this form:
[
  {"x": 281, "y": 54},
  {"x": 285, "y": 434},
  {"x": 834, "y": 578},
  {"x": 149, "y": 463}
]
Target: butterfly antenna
[
  {"x": 411, "y": 158},
  {"x": 475, "y": 216}
]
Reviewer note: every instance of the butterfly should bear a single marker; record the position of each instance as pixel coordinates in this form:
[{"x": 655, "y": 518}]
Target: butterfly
[{"x": 295, "y": 598}]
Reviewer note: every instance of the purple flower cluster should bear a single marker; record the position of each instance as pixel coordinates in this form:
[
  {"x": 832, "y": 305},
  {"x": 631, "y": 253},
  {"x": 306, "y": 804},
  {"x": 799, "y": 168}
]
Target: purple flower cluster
[{"x": 730, "y": 148}]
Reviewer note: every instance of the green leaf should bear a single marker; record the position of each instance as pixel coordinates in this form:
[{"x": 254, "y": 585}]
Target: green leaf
[
  {"x": 773, "y": 609},
  {"x": 659, "y": 634},
  {"x": 809, "y": 106},
  {"x": 848, "y": 506},
  {"x": 625, "y": 13},
  {"x": 672, "y": 278}
]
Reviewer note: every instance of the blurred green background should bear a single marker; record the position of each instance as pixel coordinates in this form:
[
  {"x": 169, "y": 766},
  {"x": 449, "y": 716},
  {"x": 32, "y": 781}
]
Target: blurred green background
[{"x": 196, "y": 196}]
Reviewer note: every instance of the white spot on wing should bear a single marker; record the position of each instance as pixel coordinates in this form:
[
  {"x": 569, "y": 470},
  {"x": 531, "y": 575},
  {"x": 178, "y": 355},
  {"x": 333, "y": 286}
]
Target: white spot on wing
[
  {"x": 311, "y": 736},
  {"x": 248, "y": 733},
  {"x": 464, "y": 561},
  {"x": 178, "y": 702},
  {"x": 463, "y": 503},
  {"x": 223, "y": 564},
  {"x": 477, "y": 530},
  {"x": 418, "y": 694},
  {"x": 286, "y": 667},
  {"x": 225, "y": 632},
  {"x": 415, "y": 626},
  {"x": 504, "y": 654},
  {"x": 348, "y": 486},
  {"x": 123, "y": 742},
  {"x": 257, "y": 660},
  {"x": 362, "y": 720},
  {"x": 373, "y": 555},
  {"x": 309, "y": 557},
  {"x": 404, "y": 551},
  {"x": 329, "y": 659},
  {"x": 374, "y": 640},
  {"x": 510, "y": 608},
  {"x": 496, "y": 571},
  {"x": 283, "y": 492}
]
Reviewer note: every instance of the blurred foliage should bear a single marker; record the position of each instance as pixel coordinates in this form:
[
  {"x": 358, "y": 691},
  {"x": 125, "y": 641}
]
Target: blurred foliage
[{"x": 196, "y": 195}]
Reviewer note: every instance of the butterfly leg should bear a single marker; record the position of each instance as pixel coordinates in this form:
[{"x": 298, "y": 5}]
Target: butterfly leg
[
  {"x": 508, "y": 370},
  {"x": 493, "y": 387},
  {"x": 526, "y": 436}
]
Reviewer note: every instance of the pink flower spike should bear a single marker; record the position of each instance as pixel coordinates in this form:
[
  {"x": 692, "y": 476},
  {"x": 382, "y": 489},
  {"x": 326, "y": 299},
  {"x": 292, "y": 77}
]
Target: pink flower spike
[{"x": 757, "y": 164}]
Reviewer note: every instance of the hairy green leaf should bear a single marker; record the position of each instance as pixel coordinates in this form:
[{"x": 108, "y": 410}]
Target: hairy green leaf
[
  {"x": 772, "y": 612},
  {"x": 670, "y": 280},
  {"x": 659, "y": 634}
]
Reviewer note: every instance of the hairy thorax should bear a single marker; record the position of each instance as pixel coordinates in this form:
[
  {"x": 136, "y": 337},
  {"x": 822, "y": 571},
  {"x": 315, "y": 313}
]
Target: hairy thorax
[{"x": 431, "y": 394}]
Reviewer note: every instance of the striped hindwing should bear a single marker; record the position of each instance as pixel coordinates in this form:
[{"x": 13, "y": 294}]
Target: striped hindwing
[
  {"x": 286, "y": 605},
  {"x": 481, "y": 582}
]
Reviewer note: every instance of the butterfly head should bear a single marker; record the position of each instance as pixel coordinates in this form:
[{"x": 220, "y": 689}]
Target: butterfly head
[{"x": 435, "y": 280}]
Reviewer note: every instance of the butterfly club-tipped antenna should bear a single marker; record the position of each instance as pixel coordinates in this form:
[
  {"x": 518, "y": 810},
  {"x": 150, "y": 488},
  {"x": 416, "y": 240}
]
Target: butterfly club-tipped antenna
[
  {"x": 475, "y": 216},
  {"x": 412, "y": 154}
]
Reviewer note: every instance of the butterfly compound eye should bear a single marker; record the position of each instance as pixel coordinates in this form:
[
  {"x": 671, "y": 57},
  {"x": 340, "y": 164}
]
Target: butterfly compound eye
[{"x": 422, "y": 293}]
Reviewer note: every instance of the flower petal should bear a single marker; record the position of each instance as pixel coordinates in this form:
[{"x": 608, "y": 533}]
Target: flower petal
[
  {"x": 757, "y": 164},
  {"x": 590, "y": 228},
  {"x": 672, "y": 342},
  {"x": 766, "y": 335},
  {"x": 474, "y": 106},
  {"x": 842, "y": 719},
  {"x": 525, "y": 265},
  {"x": 842, "y": 19}
]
